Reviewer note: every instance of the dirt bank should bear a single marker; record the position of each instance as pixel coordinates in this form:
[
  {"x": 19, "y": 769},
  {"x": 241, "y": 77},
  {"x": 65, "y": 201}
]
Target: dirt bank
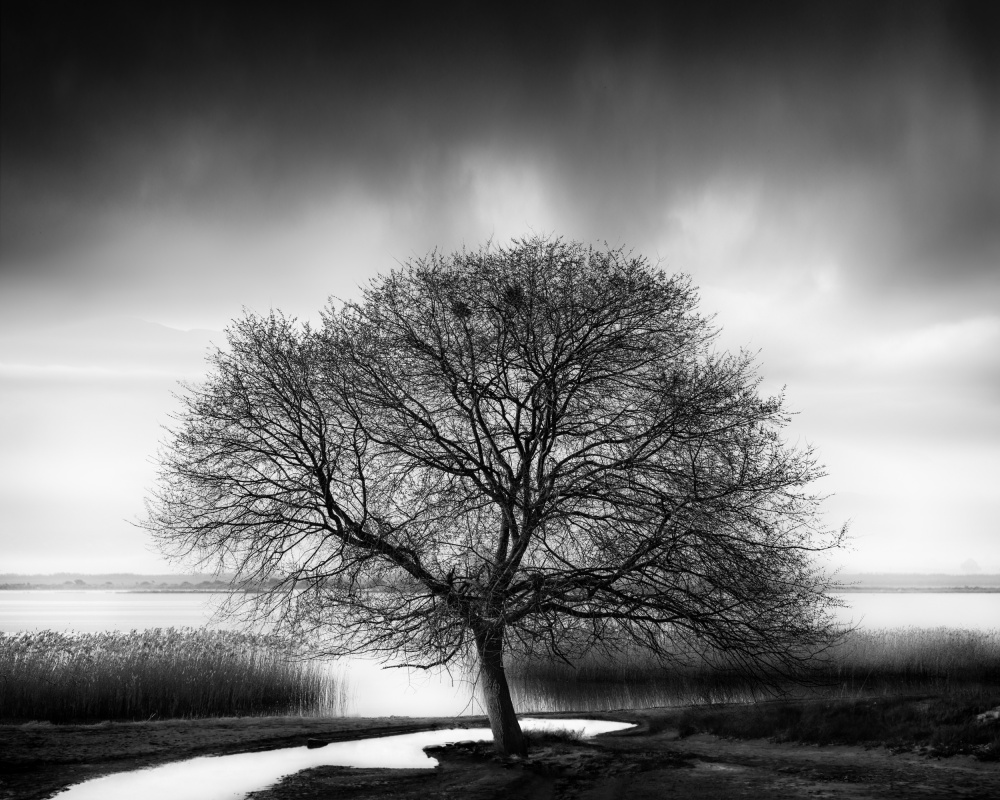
[{"x": 650, "y": 761}]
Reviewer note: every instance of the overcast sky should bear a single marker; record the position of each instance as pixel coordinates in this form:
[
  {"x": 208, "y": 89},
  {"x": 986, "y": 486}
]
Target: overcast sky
[{"x": 828, "y": 174}]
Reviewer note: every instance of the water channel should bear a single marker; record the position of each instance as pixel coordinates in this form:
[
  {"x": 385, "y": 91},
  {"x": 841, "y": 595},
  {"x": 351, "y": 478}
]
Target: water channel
[{"x": 232, "y": 777}]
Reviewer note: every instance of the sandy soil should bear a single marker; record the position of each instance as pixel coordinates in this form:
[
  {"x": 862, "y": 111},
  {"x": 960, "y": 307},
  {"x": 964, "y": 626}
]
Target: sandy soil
[{"x": 649, "y": 761}]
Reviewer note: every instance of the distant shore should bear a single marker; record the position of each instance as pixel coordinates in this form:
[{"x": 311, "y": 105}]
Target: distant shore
[
  {"x": 919, "y": 589},
  {"x": 197, "y": 583},
  {"x": 225, "y": 588}
]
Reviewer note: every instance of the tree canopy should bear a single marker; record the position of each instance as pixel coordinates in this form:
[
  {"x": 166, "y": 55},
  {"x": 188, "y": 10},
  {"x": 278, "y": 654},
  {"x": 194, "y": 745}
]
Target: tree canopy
[{"x": 533, "y": 448}]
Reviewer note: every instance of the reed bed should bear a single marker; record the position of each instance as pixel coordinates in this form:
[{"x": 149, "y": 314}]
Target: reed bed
[
  {"x": 178, "y": 673},
  {"x": 159, "y": 673},
  {"x": 602, "y": 682},
  {"x": 919, "y": 658},
  {"x": 864, "y": 663}
]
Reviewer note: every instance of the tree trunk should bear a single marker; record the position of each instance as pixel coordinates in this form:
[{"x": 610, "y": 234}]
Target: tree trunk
[{"x": 507, "y": 736}]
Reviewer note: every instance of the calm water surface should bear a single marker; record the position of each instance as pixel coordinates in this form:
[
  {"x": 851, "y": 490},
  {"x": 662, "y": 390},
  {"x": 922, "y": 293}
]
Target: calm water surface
[
  {"x": 973, "y": 610},
  {"x": 94, "y": 611}
]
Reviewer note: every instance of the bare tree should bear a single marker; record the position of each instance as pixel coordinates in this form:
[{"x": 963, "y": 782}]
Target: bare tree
[{"x": 531, "y": 449}]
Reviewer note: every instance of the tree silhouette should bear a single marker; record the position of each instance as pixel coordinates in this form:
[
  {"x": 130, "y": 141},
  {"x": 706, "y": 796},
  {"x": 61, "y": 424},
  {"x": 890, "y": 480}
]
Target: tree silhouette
[{"x": 531, "y": 449}]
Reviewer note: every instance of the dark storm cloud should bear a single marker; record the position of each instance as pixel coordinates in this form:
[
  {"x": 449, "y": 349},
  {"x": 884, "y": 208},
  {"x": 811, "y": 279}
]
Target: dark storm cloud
[
  {"x": 828, "y": 171},
  {"x": 245, "y": 114}
]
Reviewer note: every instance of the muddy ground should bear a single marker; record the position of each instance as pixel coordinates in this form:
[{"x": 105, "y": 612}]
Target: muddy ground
[{"x": 649, "y": 761}]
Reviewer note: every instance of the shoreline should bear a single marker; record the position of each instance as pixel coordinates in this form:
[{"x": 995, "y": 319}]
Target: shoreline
[{"x": 38, "y": 760}]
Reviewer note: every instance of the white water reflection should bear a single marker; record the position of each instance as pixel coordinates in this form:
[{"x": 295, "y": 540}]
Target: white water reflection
[
  {"x": 376, "y": 690},
  {"x": 233, "y": 777}
]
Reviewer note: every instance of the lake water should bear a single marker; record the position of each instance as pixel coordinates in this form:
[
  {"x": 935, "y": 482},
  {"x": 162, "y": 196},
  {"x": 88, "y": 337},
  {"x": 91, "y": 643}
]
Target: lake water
[
  {"x": 232, "y": 777},
  {"x": 93, "y": 611}
]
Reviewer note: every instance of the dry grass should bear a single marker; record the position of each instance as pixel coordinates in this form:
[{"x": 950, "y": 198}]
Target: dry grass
[
  {"x": 939, "y": 726},
  {"x": 865, "y": 663},
  {"x": 158, "y": 673},
  {"x": 914, "y": 658}
]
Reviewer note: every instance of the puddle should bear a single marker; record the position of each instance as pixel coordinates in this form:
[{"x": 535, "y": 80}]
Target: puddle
[{"x": 233, "y": 777}]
